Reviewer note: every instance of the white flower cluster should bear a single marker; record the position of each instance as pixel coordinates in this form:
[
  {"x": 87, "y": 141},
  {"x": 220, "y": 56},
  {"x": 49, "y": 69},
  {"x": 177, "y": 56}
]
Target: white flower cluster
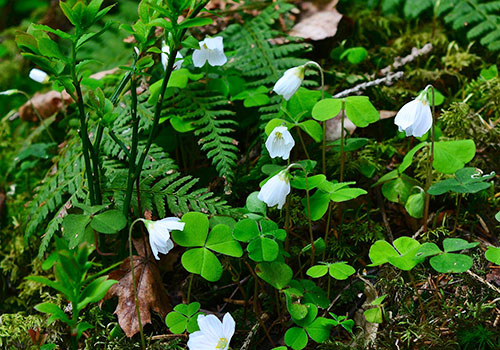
[{"x": 211, "y": 51}]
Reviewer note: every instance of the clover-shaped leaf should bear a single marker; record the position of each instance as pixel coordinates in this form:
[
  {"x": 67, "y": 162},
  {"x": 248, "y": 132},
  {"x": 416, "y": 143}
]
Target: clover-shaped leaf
[
  {"x": 201, "y": 260},
  {"x": 466, "y": 180},
  {"x": 446, "y": 262},
  {"x": 184, "y": 317},
  {"x": 402, "y": 255},
  {"x": 339, "y": 270},
  {"x": 261, "y": 237}
]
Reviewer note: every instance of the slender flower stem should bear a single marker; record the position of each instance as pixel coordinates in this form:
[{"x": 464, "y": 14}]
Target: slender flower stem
[
  {"x": 458, "y": 212},
  {"x": 323, "y": 152},
  {"x": 188, "y": 298},
  {"x": 431, "y": 160},
  {"x": 303, "y": 143},
  {"x": 83, "y": 132},
  {"x": 136, "y": 300},
  {"x": 342, "y": 159},
  {"x": 327, "y": 229},
  {"x": 95, "y": 165},
  {"x": 342, "y": 140},
  {"x": 133, "y": 150},
  {"x": 308, "y": 200}
]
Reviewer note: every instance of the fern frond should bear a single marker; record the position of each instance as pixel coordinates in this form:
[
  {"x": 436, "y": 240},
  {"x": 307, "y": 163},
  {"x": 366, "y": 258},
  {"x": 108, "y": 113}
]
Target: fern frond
[
  {"x": 481, "y": 16},
  {"x": 260, "y": 58},
  {"x": 213, "y": 124},
  {"x": 64, "y": 177}
]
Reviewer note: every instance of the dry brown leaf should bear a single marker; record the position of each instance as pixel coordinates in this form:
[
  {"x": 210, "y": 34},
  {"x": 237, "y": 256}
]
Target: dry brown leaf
[
  {"x": 318, "y": 24},
  {"x": 150, "y": 291},
  {"x": 46, "y": 104},
  {"x": 333, "y": 127}
]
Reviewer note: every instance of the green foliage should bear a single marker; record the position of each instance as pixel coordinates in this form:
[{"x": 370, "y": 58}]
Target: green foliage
[
  {"x": 184, "y": 317},
  {"x": 71, "y": 268},
  {"x": 201, "y": 259},
  {"x": 263, "y": 238},
  {"x": 466, "y": 180},
  {"x": 260, "y": 62},
  {"x": 339, "y": 270},
  {"x": 212, "y": 123},
  {"x": 402, "y": 254},
  {"x": 480, "y": 18}
]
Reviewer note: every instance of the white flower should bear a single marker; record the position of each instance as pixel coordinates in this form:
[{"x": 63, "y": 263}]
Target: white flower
[
  {"x": 415, "y": 117},
  {"x": 280, "y": 142},
  {"x": 290, "y": 82},
  {"x": 213, "y": 334},
  {"x": 165, "y": 52},
  {"x": 159, "y": 234},
  {"x": 9, "y": 92},
  {"x": 275, "y": 190},
  {"x": 211, "y": 50},
  {"x": 39, "y": 76}
]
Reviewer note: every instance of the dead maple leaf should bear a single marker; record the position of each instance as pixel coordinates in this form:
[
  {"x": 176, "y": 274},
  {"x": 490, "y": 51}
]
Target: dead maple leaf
[
  {"x": 318, "y": 23},
  {"x": 46, "y": 104},
  {"x": 150, "y": 291}
]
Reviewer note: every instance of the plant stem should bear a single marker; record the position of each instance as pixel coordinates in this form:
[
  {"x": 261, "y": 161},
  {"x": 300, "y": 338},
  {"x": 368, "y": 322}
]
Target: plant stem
[
  {"x": 188, "y": 298},
  {"x": 458, "y": 212},
  {"x": 83, "y": 132},
  {"x": 322, "y": 74},
  {"x": 303, "y": 143},
  {"x": 308, "y": 199},
  {"x": 429, "y": 166},
  {"x": 133, "y": 150},
  {"x": 342, "y": 140},
  {"x": 329, "y": 286},
  {"x": 342, "y": 158},
  {"x": 168, "y": 71},
  {"x": 327, "y": 230},
  {"x": 132, "y": 272},
  {"x": 156, "y": 119}
]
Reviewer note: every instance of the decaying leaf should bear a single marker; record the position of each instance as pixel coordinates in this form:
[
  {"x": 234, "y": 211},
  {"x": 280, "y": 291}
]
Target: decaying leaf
[
  {"x": 46, "y": 104},
  {"x": 318, "y": 24},
  {"x": 333, "y": 127},
  {"x": 150, "y": 292}
]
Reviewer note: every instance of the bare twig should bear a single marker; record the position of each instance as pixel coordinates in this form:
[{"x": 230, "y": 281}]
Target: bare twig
[
  {"x": 248, "y": 339},
  {"x": 389, "y": 79},
  {"x": 482, "y": 280},
  {"x": 400, "y": 62},
  {"x": 388, "y": 75}
]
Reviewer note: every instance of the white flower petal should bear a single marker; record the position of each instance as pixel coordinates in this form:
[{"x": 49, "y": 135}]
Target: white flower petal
[
  {"x": 415, "y": 117},
  {"x": 39, "y": 76},
  {"x": 211, "y": 326},
  {"x": 228, "y": 326},
  {"x": 214, "y": 43},
  {"x": 198, "y": 341},
  {"x": 275, "y": 190},
  {"x": 423, "y": 122},
  {"x": 164, "y": 58},
  {"x": 290, "y": 82},
  {"x": 200, "y": 57},
  {"x": 159, "y": 234},
  {"x": 407, "y": 114},
  {"x": 280, "y": 142},
  {"x": 216, "y": 58}
]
